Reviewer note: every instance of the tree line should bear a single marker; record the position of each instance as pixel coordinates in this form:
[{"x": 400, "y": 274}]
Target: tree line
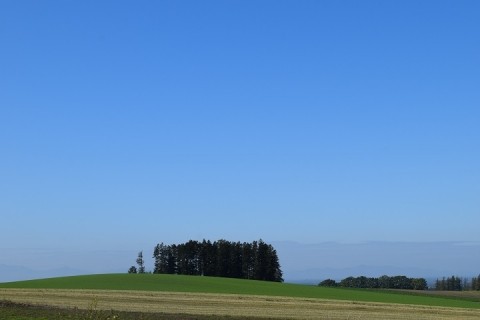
[
  {"x": 256, "y": 260},
  {"x": 383, "y": 282},
  {"x": 454, "y": 283}
]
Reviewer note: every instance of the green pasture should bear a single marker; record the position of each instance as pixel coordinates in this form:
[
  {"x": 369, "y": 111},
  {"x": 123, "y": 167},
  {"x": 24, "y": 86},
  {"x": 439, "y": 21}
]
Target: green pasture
[{"x": 198, "y": 284}]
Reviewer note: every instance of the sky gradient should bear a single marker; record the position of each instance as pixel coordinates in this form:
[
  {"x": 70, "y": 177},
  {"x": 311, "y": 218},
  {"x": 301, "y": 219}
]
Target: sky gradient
[{"x": 128, "y": 123}]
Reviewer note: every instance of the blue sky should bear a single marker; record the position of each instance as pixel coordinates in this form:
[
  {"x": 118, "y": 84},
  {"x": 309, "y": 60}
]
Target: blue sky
[{"x": 127, "y": 123}]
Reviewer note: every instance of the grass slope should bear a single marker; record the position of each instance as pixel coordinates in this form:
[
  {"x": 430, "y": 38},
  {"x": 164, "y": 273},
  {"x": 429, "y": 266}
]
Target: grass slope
[{"x": 196, "y": 284}]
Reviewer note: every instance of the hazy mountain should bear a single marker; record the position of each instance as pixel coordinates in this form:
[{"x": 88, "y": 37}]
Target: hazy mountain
[
  {"x": 315, "y": 262},
  {"x": 307, "y": 263},
  {"x": 16, "y": 273},
  {"x": 31, "y": 263}
]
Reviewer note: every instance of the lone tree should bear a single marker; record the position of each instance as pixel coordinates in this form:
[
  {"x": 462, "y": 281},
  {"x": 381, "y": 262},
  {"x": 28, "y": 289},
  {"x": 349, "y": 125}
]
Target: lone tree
[
  {"x": 132, "y": 269},
  {"x": 140, "y": 263}
]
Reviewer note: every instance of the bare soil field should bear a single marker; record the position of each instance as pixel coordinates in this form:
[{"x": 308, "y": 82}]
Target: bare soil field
[{"x": 232, "y": 305}]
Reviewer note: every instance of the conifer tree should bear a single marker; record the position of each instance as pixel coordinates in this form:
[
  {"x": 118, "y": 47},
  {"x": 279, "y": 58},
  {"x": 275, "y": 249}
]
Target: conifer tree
[{"x": 140, "y": 263}]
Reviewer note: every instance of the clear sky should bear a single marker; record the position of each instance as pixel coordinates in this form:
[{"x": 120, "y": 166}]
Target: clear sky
[{"x": 128, "y": 123}]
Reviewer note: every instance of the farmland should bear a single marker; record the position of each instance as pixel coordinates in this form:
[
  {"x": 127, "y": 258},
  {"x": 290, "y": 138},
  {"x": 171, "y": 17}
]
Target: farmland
[{"x": 204, "y": 296}]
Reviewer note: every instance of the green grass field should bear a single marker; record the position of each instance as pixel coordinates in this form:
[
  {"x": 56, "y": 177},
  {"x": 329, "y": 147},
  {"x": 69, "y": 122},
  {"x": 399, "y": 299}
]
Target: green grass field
[{"x": 196, "y": 284}]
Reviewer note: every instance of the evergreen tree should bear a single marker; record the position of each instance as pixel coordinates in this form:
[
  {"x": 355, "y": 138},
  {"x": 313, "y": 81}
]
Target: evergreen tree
[
  {"x": 473, "y": 284},
  {"x": 208, "y": 258},
  {"x": 261, "y": 258},
  {"x": 140, "y": 263},
  {"x": 162, "y": 256},
  {"x": 274, "y": 273},
  {"x": 248, "y": 260},
  {"x": 236, "y": 260},
  {"x": 223, "y": 258},
  {"x": 452, "y": 283},
  {"x": 465, "y": 284},
  {"x": 171, "y": 253}
]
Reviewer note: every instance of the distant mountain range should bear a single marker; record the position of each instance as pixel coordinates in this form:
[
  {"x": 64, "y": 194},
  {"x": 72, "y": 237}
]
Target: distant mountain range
[
  {"x": 16, "y": 273},
  {"x": 311, "y": 263},
  {"x": 301, "y": 263}
]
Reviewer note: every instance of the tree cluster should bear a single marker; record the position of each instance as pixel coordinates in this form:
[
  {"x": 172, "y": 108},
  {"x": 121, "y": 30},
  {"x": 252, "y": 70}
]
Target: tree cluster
[
  {"x": 454, "y": 283},
  {"x": 383, "y": 282},
  {"x": 475, "y": 284},
  {"x": 257, "y": 260}
]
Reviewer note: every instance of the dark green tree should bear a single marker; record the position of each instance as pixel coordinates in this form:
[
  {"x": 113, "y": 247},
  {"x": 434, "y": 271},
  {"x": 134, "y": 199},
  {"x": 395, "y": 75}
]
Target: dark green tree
[
  {"x": 419, "y": 284},
  {"x": 208, "y": 258},
  {"x": 223, "y": 258},
  {"x": 328, "y": 283},
  {"x": 384, "y": 282},
  {"x": 274, "y": 273},
  {"x": 236, "y": 260},
  {"x": 140, "y": 263},
  {"x": 160, "y": 258},
  {"x": 477, "y": 283},
  {"x": 248, "y": 260}
]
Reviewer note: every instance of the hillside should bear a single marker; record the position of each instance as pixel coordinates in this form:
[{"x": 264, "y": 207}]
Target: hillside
[{"x": 197, "y": 284}]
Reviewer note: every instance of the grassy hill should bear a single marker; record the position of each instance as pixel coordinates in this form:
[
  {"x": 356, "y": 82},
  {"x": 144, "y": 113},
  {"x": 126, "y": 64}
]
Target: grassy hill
[{"x": 196, "y": 284}]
